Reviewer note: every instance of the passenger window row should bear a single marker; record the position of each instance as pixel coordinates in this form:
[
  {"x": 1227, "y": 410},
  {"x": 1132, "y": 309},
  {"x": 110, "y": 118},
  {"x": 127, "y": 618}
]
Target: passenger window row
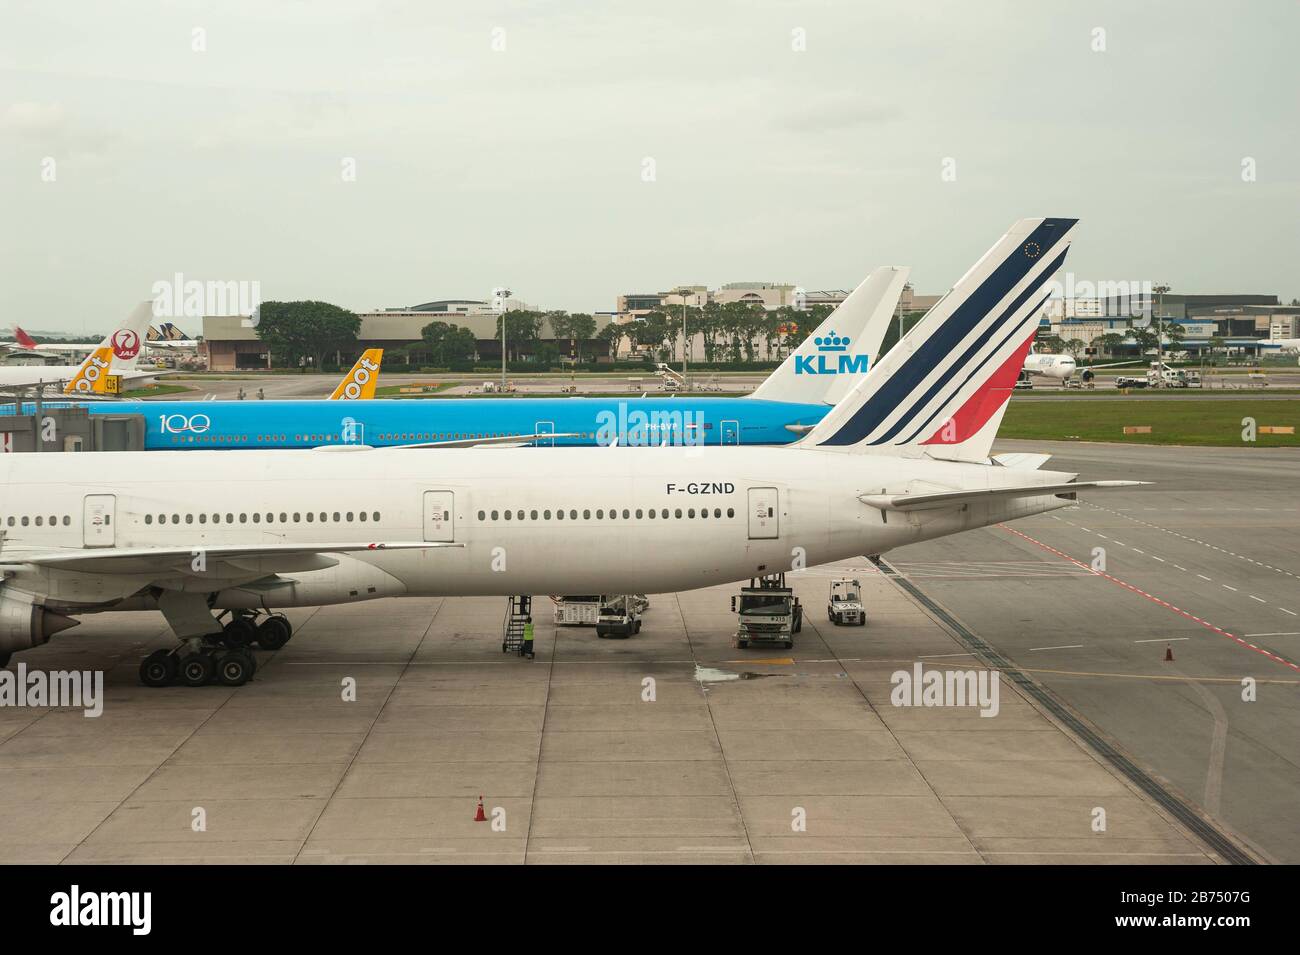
[
  {"x": 210, "y": 439},
  {"x": 39, "y": 520},
  {"x": 257, "y": 517},
  {"x": 601, "y": 514}
]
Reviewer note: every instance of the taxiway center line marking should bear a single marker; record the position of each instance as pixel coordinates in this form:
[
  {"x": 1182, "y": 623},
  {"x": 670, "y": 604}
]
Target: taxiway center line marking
[
  {"x": 1195, "y": 540},
  {"x": 1156, "y": 600}
]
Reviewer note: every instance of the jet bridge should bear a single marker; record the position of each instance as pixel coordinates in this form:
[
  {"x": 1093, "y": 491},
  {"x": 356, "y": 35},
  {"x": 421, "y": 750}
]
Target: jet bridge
[{"x": 61, "y": 426}]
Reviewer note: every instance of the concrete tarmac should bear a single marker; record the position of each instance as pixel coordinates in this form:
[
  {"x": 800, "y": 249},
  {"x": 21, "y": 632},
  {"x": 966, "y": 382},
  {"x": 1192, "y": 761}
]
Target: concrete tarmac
[
  {"x": 668, "y": 747},
  {"x": 1203, "y": 564}
]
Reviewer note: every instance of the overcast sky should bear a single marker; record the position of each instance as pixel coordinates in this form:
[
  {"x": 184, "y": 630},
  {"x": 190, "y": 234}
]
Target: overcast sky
[{"x": 526, "y": 166}]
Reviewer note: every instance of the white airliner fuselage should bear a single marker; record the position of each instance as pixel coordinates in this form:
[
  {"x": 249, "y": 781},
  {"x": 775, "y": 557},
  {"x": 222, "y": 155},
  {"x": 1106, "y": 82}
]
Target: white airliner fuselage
[
  {"x": 491, "y": 519},
  {"x": 27, "y": 376}
]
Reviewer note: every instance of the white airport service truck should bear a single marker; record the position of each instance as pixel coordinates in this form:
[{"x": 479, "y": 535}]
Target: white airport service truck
[
  {"x": 845, "y": 607},
  {"x": 767, "y": 612},
  {"x": 584, "y": 610},
  {"x": 1159, "y": 375},
  {"x": 620, "y": 617}
]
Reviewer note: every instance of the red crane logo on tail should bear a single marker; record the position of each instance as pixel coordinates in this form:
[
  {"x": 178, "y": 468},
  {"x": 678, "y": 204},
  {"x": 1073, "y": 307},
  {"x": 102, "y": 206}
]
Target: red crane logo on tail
[{"x": 126, "y": 344}]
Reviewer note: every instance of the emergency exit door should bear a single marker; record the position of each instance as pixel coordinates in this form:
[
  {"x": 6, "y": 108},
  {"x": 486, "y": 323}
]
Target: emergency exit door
[
  {"x": 730, "y": 432},
  {"x": 97, "y": 524},
  {"x": 439, "y": 516},
  {"x": 764, "y": 513}
]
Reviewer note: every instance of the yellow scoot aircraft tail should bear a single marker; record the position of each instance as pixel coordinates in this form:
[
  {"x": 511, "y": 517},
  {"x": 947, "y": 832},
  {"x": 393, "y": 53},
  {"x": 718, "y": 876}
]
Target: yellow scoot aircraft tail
[
  {"x": 92, "y": 376},
  {"x": 119, "y": 350},
  {"x": 360, "y": 382}
]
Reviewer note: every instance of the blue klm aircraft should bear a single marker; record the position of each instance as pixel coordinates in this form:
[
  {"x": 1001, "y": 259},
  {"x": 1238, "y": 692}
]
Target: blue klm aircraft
[{"x": 781, "y": 410}]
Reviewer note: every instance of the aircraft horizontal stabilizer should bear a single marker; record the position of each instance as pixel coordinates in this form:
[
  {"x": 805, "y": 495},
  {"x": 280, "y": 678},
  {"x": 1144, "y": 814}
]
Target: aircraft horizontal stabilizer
[
  {"x": 1021, "y": 460},
  {"x": 154, "y": 560},
  {"x": 918, "y": 502}
]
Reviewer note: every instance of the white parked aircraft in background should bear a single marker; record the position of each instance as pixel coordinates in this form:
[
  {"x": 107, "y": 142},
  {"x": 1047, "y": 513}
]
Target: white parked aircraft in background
[
  {"x": 24, "y": 345},
  {"x": 903, "y": 458},
  {"x": 115, "y": 355},
  {"x": 1062, "y": 367},
  {"x": 1288, "y": 346}
]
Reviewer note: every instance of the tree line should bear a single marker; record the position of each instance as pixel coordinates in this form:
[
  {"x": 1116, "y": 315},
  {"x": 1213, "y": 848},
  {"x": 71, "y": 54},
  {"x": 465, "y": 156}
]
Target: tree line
[
  {"x": 731, "y": 332},
  {"x": 308, "y": 332}
]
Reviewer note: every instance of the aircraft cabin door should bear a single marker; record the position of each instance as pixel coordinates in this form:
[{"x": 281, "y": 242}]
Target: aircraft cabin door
[
  {"x": 97, "y": 522},
  {"x": 730, "y": 432},
  {"x": 764, "y": 513},
  {"x": 545, "y": 427},
  {"x": 440, "y": 516}
]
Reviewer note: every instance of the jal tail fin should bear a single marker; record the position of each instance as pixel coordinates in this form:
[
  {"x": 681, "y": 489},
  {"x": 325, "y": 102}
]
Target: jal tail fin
[
  {"x": 127, "y": 340},
  {"x": 118, "y": 352},
  {"x": 838, "y": 354},
  {"x": 359, "y": 384},
  {"x": 23, "y": 340},
  {"x": 942, "y": 391}
]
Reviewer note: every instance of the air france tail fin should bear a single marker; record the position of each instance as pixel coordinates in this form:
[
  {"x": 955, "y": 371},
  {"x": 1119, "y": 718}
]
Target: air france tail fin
[
  {"x": 360, "y": 382},
  {"x": 837, "y": 355},
  {"x": 118, "y": 352},
  {"x": 942, "y": 391}
]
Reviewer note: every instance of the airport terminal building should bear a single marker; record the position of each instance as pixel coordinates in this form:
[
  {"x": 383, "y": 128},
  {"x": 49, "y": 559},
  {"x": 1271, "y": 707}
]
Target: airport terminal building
[{"x": 232, "y": 345}]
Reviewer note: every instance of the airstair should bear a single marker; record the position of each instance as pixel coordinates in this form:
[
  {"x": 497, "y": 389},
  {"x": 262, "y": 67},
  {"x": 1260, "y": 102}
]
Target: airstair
[{"x": 518, "y": 609}]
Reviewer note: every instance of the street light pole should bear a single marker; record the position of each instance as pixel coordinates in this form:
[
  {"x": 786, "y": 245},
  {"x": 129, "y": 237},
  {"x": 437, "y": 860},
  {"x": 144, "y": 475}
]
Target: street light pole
[
  {"x": 683, "y": 292},
  {"x": 900, "y": 311},
  {"x": 503, "y": 296},
  {"x": 1160, "y": 291}
]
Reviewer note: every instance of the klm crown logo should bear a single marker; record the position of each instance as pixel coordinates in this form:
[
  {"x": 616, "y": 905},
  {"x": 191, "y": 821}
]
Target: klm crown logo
[{"x": 832, "y": 358}]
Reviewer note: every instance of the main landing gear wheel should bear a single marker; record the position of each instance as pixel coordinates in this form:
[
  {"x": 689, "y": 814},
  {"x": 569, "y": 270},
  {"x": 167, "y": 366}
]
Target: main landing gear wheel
[
  {"x": 236, "y": 668},
  {"x": 273, "y": 633},
  {"x": 240, "y": 632},
  {"x": 196, "y": 669},
  {"x": 158, "y": 668}
]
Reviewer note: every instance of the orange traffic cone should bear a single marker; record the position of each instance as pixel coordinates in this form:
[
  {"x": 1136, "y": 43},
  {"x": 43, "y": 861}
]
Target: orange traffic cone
[
  {"x": 1169, "y": 653},
  {"x": 480, "y": 816}
]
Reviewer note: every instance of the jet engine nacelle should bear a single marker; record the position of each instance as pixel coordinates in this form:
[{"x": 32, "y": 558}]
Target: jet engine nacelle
[{"x": 25, "y": 624}]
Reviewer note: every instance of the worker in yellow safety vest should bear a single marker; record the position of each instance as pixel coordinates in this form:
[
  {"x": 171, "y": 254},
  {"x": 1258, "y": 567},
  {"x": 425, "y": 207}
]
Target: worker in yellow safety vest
[{"x": 527, "y": 649}]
